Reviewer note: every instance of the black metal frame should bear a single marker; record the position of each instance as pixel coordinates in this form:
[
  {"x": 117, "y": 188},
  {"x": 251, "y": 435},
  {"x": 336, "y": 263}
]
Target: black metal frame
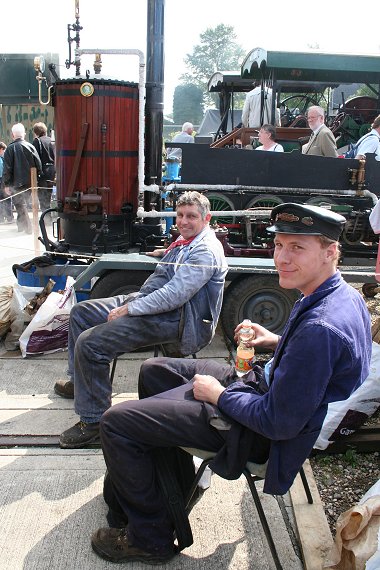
[{"x": 252, "y": 480}]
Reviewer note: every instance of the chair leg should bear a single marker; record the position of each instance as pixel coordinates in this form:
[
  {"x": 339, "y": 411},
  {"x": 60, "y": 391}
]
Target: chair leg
[
  {"x": 113, "y": 369},
  {"x": 264, "y": 523},
  {"x": 306, "y": 486},
  {"x": 194, "y": 486}
]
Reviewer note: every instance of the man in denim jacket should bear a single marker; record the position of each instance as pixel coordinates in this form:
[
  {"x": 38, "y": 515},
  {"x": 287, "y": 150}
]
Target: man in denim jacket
[
  {"x": 178, "y": 304},
  {"x": 322, "y": 356}
]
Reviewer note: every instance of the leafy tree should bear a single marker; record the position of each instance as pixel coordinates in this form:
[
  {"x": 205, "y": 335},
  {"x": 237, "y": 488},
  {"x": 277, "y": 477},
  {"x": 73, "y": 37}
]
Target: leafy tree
[
  {"x": 365, "y": 90},
  {"x": 187, "y": 104},
  {"x": 217, "y": 51}
]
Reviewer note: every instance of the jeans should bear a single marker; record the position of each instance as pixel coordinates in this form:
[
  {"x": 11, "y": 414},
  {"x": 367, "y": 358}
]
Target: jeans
[{"x": 94, "y": 343}]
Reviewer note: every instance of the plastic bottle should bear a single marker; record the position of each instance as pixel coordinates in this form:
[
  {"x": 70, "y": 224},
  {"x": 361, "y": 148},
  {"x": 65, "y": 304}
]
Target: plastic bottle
[{"x": 245, "y": 356}]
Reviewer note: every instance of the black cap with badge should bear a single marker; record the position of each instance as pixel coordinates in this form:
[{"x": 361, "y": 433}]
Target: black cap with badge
[{"x": 290, "y": 218}]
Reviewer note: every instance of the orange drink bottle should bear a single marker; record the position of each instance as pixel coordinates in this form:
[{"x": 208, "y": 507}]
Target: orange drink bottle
[{"x": 245, "y": 355}]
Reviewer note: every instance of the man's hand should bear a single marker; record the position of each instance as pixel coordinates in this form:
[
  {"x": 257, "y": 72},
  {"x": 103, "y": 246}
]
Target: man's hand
[
  {"x": 116, "y": 313},
  {"x": 207, "y": 388},
  {"x": 7, "y": 191},
  {"x": 156, "y": 253},
  {"x": 263, "y": 337}
]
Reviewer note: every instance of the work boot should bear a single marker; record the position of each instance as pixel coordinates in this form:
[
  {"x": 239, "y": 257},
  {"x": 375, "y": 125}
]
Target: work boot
[
  {"x": 80, "y": 435},
  {"x": 64, "y": 388},
  {"x": 114, "y": 545}
]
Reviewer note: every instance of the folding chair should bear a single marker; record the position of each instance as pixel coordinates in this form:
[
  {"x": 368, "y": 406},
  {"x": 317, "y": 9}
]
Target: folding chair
[{"x": 253, "y": 472}]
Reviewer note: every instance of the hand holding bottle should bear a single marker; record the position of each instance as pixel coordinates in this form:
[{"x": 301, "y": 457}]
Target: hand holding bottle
[{"x": 262, "y": 338}]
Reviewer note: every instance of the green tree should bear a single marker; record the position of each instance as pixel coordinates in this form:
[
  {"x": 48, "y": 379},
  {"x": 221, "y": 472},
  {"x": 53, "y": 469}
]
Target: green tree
[
  {"x": 217, "y": 51},
  {"x": 365, "y": 90},
  {"x": 187, "y": 104}
]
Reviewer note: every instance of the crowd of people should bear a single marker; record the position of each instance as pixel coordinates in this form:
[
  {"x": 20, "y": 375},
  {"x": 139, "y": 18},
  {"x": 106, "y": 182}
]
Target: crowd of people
[
  {"x": 16, "y": 160},
  {"x": 257, "y": 114}
]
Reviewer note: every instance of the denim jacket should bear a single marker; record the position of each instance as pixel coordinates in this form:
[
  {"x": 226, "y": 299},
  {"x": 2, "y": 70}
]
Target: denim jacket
[{"x": 189, "y": 279}]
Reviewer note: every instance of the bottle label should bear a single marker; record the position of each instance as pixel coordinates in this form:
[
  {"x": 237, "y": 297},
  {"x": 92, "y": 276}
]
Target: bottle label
[{"x": 244, "y": 362}]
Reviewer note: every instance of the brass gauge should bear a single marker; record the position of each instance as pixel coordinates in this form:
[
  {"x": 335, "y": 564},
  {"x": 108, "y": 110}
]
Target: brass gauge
[{"x": 86, "y": 89}]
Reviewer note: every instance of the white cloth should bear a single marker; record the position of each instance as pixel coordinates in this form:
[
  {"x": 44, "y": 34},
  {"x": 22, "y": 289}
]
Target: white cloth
[
  {"x": 176, "y": 153},
  {"x": 251, "y": 115},
  {"x": 369, "y": 144},
  {"x": 374, "y": 218},
  {"x": 276, "y": 147},
  {"x": 357, "y": 535}
]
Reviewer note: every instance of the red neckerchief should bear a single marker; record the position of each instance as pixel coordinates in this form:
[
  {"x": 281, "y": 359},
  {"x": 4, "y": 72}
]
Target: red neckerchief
[{"x": 179, "y": 241}]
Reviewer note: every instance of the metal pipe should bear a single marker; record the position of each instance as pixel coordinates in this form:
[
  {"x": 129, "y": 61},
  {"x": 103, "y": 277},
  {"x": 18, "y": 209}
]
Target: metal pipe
[
  {"x": 268, "y": 189},
  {"x": 369, "y": 194},
  {"x": 154, "y": 105},
  {"x": 256, "y": 214}
]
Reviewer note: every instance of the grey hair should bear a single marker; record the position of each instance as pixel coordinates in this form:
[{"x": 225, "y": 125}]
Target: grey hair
[
  {"x": 193, "y": 198},
  {"x": 319, "y": 110},
  {"x": 186, "y": 126},
  {"x": 271, "y": 130},
  {"x": 18, "y": 130}
]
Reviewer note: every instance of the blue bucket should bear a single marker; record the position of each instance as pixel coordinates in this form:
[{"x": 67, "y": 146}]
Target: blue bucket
[
  {"x": 31, "y": 279},
  {"x": 172, "y": 170}
]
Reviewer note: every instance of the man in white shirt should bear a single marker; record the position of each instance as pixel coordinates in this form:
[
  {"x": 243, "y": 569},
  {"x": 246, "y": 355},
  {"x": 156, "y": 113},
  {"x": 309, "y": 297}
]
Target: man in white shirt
[
  {"x": 257, "y": 109},
  {"x": 186, "y": 136},
  {"x": 370, "y": 143}
]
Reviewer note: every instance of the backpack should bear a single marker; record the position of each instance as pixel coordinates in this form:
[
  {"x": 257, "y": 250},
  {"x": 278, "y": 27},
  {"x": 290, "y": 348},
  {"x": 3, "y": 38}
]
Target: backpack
[
  {"x": 352, "y": 148},
  {"x": 351, "y": 152}
]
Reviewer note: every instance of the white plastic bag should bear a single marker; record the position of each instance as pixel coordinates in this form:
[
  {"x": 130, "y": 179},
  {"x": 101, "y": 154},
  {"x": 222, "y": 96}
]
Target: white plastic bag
[
  {"x": 19, "y": 318},
  {"x": 48, "y": 330},
  {"x": 346, "y": 416}
]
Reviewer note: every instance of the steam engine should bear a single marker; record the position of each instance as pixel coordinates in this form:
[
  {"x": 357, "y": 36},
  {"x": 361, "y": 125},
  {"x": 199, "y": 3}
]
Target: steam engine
[{"x": 109, "y": 164}]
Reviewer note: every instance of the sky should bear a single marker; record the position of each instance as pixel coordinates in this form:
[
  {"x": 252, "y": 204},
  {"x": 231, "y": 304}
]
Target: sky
[{"x": 41, "y": 27}]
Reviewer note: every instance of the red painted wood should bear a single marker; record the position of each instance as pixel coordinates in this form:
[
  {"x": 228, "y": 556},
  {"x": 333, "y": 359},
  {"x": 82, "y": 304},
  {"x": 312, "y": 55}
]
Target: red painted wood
[{"x": 114, "y": 104}]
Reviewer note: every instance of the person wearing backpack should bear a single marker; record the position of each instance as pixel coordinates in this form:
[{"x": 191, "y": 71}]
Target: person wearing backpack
[
  {"x": 45, "y": 148},
  {"x": 370, "y": 143}
]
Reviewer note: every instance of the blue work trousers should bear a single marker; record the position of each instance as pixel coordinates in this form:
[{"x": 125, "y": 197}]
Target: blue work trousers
[
  {"x": 94, "y": 342},
  {"x": 168, "y": 416}
]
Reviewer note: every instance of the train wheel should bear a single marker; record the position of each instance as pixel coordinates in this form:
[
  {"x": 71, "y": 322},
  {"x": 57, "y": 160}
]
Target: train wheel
[
  {"x": 259, "y": 299},
  {"x": 118, "y": 283},
  {"x": 265, "y": 201},
  {"x": 320, "y": 201},
  {"x": 220, "y": 203},
  {"x": 353, "y": 234}
]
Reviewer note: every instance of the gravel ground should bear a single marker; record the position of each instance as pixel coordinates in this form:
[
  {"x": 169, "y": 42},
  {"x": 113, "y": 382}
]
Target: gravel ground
[{"x": 342, "y": 479}]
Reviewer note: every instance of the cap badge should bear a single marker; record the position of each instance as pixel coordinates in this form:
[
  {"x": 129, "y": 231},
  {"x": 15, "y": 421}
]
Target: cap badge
[
  {"x": 286, "y": 217},
  {"x": 307, "y": 221}
]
